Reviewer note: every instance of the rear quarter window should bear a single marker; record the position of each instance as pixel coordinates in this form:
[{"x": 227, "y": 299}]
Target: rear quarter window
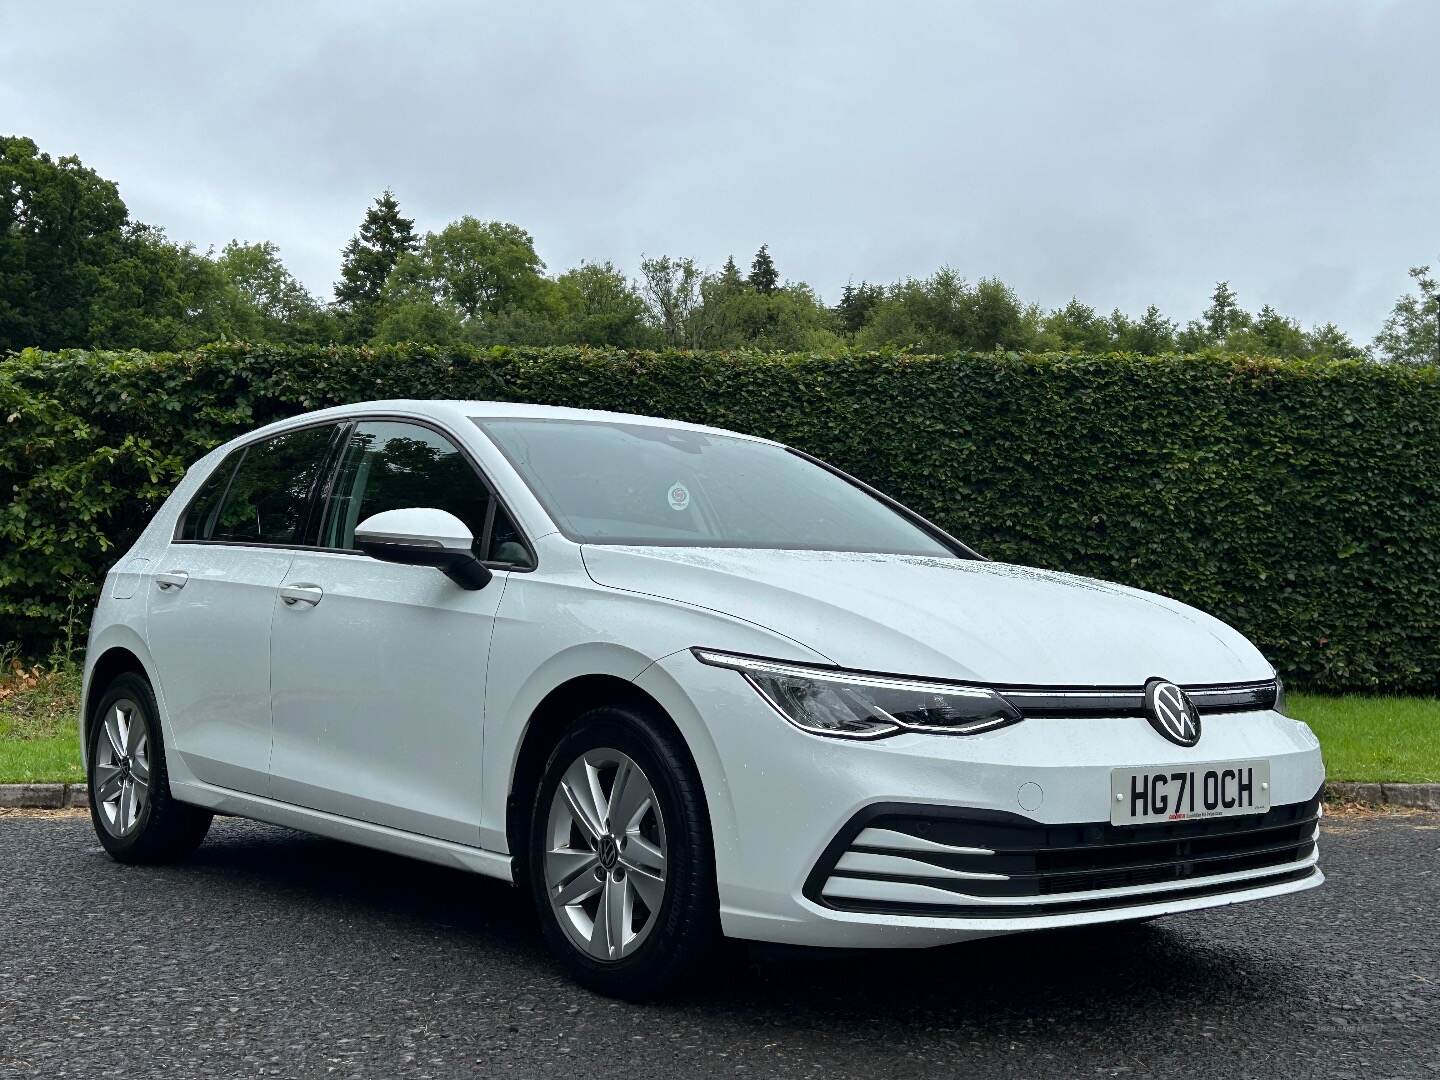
[
  {"x": 265, "y": 496},
  {"x": 199, "y": 518}
]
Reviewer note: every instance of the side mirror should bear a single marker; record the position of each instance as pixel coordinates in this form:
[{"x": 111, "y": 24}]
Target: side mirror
[{"x": 424, "y": 537}]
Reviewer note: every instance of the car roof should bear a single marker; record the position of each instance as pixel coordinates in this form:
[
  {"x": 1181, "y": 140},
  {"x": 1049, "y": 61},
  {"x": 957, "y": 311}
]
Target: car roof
[{"x": 457, "y": 411}]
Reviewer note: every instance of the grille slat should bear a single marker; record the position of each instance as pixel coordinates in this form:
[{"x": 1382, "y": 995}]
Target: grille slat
[{"x": 861, "y": 842}]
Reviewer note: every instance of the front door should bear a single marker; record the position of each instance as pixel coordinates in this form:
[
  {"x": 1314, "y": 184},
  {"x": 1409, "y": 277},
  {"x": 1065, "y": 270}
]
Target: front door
[{"x": 378, "y": 670}]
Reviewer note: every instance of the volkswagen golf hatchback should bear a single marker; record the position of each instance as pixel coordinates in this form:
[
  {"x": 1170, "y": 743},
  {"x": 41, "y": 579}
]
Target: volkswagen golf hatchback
[{"x": 677, "y": 683}]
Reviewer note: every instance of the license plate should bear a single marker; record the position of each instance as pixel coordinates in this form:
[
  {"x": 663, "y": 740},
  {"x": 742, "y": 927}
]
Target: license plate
[{"x": 1188, "y": 792}]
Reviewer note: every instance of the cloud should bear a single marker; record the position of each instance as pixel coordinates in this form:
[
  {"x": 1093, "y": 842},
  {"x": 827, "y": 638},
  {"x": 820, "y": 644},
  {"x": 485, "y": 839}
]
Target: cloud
[{"x": 1123, "y": 153}]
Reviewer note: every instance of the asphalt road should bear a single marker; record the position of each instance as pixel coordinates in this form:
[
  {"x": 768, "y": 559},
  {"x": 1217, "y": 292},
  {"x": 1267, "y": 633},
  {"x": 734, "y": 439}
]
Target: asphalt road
[{"x": 276, "y": 954}]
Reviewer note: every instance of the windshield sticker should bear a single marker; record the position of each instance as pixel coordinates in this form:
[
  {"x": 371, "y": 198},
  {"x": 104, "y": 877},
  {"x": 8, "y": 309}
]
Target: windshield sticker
[{"x": 679, "y": 497}]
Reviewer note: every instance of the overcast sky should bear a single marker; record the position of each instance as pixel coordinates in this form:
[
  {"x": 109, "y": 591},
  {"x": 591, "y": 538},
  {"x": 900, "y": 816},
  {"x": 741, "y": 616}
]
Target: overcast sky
[{"x": 1126, "y": 154}]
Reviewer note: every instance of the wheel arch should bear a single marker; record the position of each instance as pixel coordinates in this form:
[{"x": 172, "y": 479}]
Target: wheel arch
[
  {"x": 548, "y": 721},
  {"x": 120, "y": 657}
]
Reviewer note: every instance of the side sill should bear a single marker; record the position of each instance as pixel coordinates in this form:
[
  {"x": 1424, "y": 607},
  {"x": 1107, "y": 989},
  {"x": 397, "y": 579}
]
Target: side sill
[{"x": 490, "y": 864}]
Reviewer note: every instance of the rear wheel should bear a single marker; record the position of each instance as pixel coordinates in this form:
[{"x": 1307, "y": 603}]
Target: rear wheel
[
  {"x": 130, "y": 805},
  {"x": 620, "y": 858}
]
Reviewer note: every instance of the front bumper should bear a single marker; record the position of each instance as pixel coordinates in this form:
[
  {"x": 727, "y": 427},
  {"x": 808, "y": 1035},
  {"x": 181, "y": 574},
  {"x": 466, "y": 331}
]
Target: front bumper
[{"x": 787, "y": 806}]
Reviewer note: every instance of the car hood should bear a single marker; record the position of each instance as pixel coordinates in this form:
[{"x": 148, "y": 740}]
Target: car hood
[{"x": 944, "y": 618}]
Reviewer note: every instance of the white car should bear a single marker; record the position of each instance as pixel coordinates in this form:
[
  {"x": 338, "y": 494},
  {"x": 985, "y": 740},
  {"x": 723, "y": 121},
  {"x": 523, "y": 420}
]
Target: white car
[{"x": 679, "y": 683}]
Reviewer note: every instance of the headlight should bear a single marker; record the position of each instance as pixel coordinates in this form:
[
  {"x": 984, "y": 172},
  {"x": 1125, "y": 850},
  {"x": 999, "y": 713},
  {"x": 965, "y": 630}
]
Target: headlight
[
  {"x": 1281, "y": 705},
  {"x": 852, "y": 705}
]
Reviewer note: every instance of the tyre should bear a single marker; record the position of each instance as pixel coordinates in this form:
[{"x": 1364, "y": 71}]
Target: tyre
[
  {"x": 620, "y": 858},
  {"x": 130, "y": 804}
]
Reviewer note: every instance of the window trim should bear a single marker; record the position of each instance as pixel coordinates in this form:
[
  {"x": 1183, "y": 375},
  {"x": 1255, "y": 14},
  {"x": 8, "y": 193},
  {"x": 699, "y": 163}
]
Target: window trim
[
  {"x": 318, "y": 504},
  {"x": 328, "y": 472}
]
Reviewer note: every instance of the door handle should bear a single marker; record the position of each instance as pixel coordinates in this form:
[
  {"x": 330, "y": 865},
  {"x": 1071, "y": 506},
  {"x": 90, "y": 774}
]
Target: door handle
[
  {"x": 309, "y": 595},
  {"x": 171, "y": 579}
]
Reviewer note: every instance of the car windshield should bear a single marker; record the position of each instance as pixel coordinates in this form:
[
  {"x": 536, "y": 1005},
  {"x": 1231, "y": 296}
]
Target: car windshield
[{"x": 617, "y": 483}]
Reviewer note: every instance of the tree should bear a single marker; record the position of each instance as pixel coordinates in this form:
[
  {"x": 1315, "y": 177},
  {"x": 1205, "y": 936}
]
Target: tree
[
  {"x": 600, "y": 307},
  {"x": 284, "y": 308},
  {"x": 162, "y": 295},
  {"x": 1411, "y": 335},
  {"x": 763, "y": 277},
  {"x": 419, "y": 320},
  {"x": 1000, "y": 320},
  {"x": 1151, "y": 335},
  {"x": 945, "y": 313},
  {"x": 476, "y": 268},
  {"x": 929, "y": 315},
  {"x": 1269, "y": 334},
  {"x": 1077, "y": 327},
  {"x": 367, "y": 262},
  {"x": 730, "y": 279},
  {"x": 722, "y": 309},
  {"x": 1192, "y": 337},
  {"x": 1224, "y": 314},
  {"x": 790, "y": 319},
  {"x": 76, "y": 270},
  {"x": 1332, "y": 343},
  {"x": 857, "y": 303},
  {"x": 671, "y": 290},
  {"x": 61, "y": 226}
]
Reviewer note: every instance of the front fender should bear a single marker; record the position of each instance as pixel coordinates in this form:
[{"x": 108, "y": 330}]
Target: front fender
[
  {"x": 510, "y": 707},
  {"x": 550, "y": 631}
]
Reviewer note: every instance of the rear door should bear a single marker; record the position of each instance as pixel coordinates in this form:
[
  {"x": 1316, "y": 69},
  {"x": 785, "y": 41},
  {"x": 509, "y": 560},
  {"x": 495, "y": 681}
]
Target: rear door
[
  {"x": 379, "y": 669},
  {"x": 211, "y": 598}
]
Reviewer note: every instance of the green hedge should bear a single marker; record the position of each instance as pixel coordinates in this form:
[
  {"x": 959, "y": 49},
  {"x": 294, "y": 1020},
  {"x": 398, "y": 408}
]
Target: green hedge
[{"x": 1294, "y": 499}]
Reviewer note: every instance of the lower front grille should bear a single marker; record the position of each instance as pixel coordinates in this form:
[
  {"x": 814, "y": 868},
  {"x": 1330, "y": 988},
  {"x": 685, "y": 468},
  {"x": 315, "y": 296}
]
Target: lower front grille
[{"x": 938, "y": 860}]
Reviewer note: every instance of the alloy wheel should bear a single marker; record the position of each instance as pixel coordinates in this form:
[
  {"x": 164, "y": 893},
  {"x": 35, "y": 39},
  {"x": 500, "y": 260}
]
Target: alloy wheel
[
  {"x": 605, "y": 854},
  {"x": 121, "y": 782}
]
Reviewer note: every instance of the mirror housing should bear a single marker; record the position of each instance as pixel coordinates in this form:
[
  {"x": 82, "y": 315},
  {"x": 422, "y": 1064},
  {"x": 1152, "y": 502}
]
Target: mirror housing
[{"x": 423, "y": 536}]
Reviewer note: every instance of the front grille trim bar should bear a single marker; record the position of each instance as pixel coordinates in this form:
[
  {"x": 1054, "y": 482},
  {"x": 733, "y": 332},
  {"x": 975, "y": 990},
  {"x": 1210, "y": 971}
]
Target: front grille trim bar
[
  {"x": 1087, "y": 702},
  {"x": 1142, "y": 841},
  {"x": 934, "y": 871}
]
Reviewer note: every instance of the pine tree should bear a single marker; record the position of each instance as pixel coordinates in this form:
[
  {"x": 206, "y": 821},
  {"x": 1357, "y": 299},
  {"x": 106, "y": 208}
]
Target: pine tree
[
  {"x": 763, "y": 277},
  {"x": 367, "y": 261},
  {"x": 1224, "y": 314},
  {"x": 730, "y": 280},
  {"x": 1152, "y": 335},
  {"x": 857, "y": 302}
]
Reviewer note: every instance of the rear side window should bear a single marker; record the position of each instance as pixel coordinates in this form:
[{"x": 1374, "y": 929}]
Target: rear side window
[
  {"x": 268, "y": 496},
  {"x": 204, "y": 508}
]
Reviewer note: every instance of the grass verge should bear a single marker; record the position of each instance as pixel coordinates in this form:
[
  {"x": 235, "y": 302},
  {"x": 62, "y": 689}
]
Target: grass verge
[
  {"x": 1364, "y": 738},
  {"x": 1375, "y": 739},
  {"x": 38, "y": 740}
]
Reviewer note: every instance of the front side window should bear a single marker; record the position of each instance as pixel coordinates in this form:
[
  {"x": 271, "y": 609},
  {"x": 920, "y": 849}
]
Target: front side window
[
  {"x": 617, "y": 483},
  {"x": 392, "y": 465},
  {"x": 267, "y": 500}
]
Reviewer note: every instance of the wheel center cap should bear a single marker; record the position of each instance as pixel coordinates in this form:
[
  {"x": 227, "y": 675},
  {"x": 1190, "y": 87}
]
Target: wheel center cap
[{"x": 608, "y": 852}]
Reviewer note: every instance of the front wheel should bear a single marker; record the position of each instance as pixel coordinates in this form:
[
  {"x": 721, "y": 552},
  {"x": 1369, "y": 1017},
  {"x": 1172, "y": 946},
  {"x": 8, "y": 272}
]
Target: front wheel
[
  {"x": 130, "y": 805},
  {"x": 620, "y": 858}
]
